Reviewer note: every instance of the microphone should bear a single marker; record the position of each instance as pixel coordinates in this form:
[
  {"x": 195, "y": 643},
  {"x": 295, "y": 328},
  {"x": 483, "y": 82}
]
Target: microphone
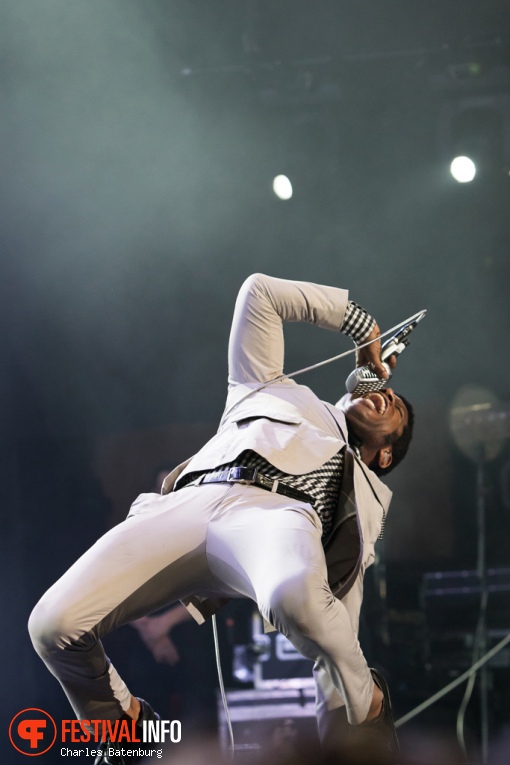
[{"x": 363, "y": 380}]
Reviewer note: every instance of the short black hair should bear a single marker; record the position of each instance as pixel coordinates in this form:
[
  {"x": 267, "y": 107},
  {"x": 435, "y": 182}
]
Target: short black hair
[{"x": 400, "y": 444}]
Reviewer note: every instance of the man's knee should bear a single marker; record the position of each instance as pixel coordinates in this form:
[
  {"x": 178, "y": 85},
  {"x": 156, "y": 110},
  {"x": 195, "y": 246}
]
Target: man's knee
[{"x": 52, "y": 627}]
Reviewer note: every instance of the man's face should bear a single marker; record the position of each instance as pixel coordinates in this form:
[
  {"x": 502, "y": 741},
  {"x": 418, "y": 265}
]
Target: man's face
[{"x": 375, "y": 416}]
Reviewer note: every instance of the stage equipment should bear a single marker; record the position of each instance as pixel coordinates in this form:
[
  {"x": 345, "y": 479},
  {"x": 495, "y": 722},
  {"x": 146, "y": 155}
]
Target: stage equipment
[
  {"x": 463, "y": 169},
  {"x": 479, "y": 426},
  {"x": 449, "y": 600},
  {"x": 282, "y": 187},
  {"x": 270, "y": 661},
  {"x": 279, "y": 665},
  {"x": 479, "y": 423},
  {"x": 273, "y": 723}
]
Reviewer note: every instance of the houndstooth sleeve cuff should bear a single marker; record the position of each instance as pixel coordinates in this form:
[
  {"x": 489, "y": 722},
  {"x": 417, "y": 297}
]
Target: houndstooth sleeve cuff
[{"x": 358, "y": 324}]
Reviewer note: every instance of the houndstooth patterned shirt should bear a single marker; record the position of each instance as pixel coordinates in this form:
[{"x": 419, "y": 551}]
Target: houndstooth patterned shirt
[{"x": 322, "y": 485}]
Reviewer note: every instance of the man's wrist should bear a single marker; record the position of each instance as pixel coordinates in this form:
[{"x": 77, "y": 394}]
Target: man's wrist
[{"x": 357, "y": 324}]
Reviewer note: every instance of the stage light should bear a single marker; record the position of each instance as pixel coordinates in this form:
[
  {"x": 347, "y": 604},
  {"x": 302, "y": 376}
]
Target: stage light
[
  {"x": 463, "y": 169},
  {"x": 282, "y": 187}
]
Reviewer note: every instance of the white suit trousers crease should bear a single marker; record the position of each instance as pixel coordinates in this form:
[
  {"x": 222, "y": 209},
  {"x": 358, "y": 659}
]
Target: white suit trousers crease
[{"x": 231, "y": 540}]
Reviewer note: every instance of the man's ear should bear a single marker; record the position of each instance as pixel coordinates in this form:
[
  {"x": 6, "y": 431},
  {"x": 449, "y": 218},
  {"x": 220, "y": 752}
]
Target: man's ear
[{"x": 385, "y": 457}]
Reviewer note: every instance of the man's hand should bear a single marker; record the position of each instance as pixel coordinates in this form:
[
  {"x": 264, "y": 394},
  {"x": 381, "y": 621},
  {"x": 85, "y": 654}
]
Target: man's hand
[
  {"x": 371, "y": 355},
  {"x": 155, "y": 633},
  {"x": 164, "y": 650},
  {"x": 154, "y": 630}
]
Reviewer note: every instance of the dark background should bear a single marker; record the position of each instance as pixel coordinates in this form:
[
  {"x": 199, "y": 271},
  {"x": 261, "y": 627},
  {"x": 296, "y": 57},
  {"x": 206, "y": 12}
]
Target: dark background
[{"x": 138, "y": 145}]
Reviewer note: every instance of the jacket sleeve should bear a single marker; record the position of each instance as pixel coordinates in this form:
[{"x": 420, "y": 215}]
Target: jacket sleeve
[{"x": 264, "y": 303}]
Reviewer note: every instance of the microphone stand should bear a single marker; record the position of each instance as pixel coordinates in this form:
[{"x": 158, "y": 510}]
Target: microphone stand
[
  {"x": 482, "y": 576},
  {"x": 479, "y": 425}
]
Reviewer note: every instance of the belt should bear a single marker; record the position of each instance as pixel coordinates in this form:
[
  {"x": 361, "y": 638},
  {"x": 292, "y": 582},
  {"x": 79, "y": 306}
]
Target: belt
[{"x": 251, "y": 477}]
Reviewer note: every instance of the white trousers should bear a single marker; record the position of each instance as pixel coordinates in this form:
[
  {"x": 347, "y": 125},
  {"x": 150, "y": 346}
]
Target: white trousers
[{"x": 219, "y": 539}]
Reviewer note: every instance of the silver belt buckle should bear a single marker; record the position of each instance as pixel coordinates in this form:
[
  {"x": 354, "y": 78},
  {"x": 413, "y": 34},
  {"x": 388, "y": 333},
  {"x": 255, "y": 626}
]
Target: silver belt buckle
[{"x": 235, "y": 474}]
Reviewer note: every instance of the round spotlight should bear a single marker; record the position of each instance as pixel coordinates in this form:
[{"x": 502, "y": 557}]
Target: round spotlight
[
  {"x": 463, "y": 169},
  {"x": 282, "y": 187}
]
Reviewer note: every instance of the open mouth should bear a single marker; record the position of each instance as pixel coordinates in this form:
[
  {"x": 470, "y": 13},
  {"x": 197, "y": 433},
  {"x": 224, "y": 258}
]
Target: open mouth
[{"x": 377, "y": 401}]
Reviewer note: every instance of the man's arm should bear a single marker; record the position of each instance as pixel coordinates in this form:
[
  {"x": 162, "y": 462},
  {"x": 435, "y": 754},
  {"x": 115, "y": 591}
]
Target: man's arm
[
  {"x": 155, "y": 633},
  {"x": 256, "y": 346},
  {"x": 264, "y": 303}
]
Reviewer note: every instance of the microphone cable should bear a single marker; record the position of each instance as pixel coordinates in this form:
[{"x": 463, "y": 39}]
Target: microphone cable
[
  {"x": 222, "y": 686},
  {"x": 322, "y": 363}
]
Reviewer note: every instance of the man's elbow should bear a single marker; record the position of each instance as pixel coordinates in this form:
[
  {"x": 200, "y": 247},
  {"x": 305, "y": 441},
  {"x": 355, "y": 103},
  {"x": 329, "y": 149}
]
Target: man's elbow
[{"x": 254, "y": 282}]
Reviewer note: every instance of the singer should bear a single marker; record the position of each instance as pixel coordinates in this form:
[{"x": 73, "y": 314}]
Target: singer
[{"x": 283, "y": 505}]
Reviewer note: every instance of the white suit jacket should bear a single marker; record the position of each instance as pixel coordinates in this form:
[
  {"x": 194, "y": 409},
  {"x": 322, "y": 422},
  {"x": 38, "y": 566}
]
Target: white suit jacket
[{"x": 288, "y": 425}]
